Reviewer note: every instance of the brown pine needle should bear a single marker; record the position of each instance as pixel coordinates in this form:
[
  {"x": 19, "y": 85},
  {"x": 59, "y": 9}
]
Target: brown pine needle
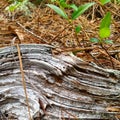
[{"x": 23, "y": 81}]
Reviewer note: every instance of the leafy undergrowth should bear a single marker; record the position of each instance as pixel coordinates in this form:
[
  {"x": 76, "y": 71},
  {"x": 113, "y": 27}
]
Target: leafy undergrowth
[{"x": 42, "y": 25}]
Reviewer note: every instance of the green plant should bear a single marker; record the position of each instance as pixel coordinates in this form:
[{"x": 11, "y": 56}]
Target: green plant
[
  {"x": 104, "y": 34},
  {"x": 104, "y": 31},
  {"x": 60, "y": 9},
  {"x": 77, "y": 11},
  {"x": 19, "y": 5}
]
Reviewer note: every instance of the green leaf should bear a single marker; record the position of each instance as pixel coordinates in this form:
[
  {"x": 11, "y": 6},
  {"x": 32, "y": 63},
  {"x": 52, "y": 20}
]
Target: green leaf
[
  {"x": 104, "y": 32},
  {"x": 63, "y": 4},
  {"x": 106, "y": 21},
  {"x": 13, "y": 6},
  {"x": 78, "y": 29},
  {"x": 108, "y": 41},
  {"x": 104, "y": 1},
  {"x": 58, "y": 10},
  {"x": 81, "y": 10},
  {"x": 95, "y": 40},
  {"x": 74, "y": 7}
]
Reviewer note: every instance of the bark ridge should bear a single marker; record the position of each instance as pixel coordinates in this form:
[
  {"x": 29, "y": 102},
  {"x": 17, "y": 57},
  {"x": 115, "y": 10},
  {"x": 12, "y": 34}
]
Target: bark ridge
[{"x": 58, "y": 87}]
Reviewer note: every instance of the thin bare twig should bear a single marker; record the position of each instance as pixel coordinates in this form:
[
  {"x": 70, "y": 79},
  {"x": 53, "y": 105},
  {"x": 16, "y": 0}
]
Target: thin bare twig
[
  {"x": 31, "y": 32},
  {"x": 108, "y": 55}
]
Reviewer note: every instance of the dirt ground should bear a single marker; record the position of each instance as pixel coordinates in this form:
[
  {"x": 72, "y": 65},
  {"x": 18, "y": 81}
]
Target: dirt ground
[{"x": 44, "y": 26}]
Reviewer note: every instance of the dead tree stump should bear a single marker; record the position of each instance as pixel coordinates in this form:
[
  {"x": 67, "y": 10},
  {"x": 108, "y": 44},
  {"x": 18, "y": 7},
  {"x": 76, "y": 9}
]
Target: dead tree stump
[{"x": 58, "y": 87}]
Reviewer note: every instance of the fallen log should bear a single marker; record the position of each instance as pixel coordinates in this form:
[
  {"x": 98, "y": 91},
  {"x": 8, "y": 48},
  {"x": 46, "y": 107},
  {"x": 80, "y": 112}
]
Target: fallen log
[{"x": 58, "y": 87}]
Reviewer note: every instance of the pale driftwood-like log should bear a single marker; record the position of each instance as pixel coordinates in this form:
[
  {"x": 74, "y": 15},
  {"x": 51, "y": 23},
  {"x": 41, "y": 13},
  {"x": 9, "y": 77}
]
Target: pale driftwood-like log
[{"x": 58, "y": 87}]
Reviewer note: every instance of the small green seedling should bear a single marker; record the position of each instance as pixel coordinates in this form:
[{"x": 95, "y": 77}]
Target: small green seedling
[
  {"x": 14, "y": 6},
  {"x": 104, "y": 31},
  {"x": 19, "y": 5},
  {"x": 77, "y": 11},
  {"x": 58, "y": 10},
  {"x": 80, "y": 10}
]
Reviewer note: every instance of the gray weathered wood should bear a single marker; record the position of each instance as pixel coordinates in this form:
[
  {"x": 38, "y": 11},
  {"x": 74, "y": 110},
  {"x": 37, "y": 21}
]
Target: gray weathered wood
[{"x": 58, "y": 87}]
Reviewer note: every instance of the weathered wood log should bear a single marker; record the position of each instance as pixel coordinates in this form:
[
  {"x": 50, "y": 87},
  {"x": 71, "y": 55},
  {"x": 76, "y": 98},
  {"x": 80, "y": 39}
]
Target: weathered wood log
[{"x": 58, "y": 87}]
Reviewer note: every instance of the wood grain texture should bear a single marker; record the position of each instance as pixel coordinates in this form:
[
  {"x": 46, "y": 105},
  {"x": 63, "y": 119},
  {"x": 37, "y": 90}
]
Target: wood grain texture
[{"x": 58, "y": 87}]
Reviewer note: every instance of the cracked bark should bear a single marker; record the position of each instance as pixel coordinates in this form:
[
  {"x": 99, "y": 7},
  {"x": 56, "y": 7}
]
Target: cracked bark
[{"x": 58, "y": 87}]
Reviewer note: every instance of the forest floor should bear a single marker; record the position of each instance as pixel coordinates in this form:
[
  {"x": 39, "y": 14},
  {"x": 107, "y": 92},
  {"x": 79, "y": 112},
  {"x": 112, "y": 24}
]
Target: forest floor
[{"x": 44, "y": 26}]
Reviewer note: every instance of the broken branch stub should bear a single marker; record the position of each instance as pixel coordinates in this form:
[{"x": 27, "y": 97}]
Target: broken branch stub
[{"x": 58, "y": 87}]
